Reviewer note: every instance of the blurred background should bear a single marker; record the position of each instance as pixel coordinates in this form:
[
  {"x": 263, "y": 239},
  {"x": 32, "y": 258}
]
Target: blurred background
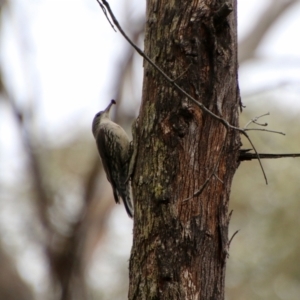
[{"x": 61, "y": 234}]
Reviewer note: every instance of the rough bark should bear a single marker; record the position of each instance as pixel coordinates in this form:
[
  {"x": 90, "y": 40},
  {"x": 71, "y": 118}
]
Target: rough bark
[{"x": 180, "y": 240}]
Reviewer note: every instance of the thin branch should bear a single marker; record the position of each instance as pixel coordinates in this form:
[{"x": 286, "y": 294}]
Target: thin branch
[
  {"x": 171, "y": 81},
  {"x": 249, "y": 156},
  {"x": 218, "y": 178},
  {"x": 266, "y": 130},
  {"x": 258, "y": 157},
  {"x": 105, "y": 13},
  {"x": 254, "y": 120},
  {"x": 232, "y": 238},
  {"x": 229, "y": 217}
]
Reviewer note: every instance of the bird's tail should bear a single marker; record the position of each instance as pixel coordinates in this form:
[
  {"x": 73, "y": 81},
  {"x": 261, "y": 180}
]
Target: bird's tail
[
  {"x": 123, "y": 191},
  {"x": 125, "y": 195}
]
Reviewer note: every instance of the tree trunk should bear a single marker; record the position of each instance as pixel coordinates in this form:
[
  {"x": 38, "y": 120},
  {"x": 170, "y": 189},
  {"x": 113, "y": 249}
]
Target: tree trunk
[{"x": 181, "y": 239}]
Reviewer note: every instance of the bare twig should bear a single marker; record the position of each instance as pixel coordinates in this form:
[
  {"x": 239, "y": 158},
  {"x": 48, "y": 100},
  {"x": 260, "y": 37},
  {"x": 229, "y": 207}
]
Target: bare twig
[
  {"x": 266, "y": 130},
  {"x": 257, "y": 155},
  {"x": 218, "y": 178},
  {"x": 232, "y": 238},
  {"x": 171, "y": 81},
  {"x": 249, "y": 156},
  {"x": 105, "y": 13},
  {"x": 254, "y": 120},
  {"x": 229, "y": 216}
]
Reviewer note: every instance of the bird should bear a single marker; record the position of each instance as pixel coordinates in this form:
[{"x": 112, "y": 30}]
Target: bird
[{"x": 114, "y": 148}]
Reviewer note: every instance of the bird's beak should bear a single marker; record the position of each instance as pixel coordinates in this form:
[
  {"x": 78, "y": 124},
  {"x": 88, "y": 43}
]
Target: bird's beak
[{"x": 110, "y": 105}]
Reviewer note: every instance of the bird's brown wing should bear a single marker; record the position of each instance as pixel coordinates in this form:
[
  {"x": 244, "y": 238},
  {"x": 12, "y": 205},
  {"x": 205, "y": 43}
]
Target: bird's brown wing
[{"x": 111, "y": 162}]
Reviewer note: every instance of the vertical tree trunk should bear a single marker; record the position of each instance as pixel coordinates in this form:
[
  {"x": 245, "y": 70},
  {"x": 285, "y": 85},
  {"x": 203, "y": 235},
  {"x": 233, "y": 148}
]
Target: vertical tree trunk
[{"x": 180, "y": 240}]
